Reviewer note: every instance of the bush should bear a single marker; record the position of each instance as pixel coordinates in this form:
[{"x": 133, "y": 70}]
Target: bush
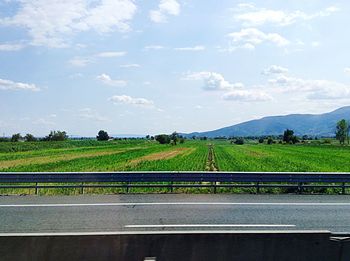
[
  {"x": 261, "y": 140},
  {"x": 163, "y": 139},
  {"x": 239, "y": 141},
  {"x": 4, "y": 139},
  {"x": 327, "y": 141},
  {"x": 270, "y": 141}
]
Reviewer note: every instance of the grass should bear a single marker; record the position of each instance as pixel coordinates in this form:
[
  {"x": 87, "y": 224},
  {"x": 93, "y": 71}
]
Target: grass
[{"x": 145, "y": 155}]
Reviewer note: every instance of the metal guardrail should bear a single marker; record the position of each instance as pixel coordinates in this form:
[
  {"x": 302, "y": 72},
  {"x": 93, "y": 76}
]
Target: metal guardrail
[{"x": 127, "y": 180}]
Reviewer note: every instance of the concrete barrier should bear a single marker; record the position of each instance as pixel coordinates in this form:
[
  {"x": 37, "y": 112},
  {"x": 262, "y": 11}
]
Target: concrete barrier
[{"x": 171, "y": 246}]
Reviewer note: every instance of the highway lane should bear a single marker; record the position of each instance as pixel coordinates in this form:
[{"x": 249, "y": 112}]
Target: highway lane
[{"x": 173, "y": 212}]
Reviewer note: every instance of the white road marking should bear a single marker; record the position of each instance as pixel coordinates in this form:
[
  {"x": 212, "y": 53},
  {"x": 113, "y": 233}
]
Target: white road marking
[
  {"x": 178, "y": 204},
  {"x": 208, "y": 225},
  {"x": 104, "y": 233}
]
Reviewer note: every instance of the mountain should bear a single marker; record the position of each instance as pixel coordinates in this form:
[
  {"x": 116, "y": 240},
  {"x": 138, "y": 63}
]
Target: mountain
[{"x": 302, "y": 124}]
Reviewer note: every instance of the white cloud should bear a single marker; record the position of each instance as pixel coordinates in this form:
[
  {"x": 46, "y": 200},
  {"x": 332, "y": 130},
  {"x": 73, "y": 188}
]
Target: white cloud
[
  {"x": 157, "y": 16},
  {"x": 315, "y": 44},
  {"x": 165, "y": 8},
  {"x": 213, "y": 81},
  {"x": 248, "y": 38},
  {"x": 124, "y": 99},
  {"x": 281, "y": 83},
  {"x": 275, "y": 69},
  {"x": 247, "y": 96},
  {"x": 10, "y": 85},
  {"x": 80, "y": 61},
  {"x": 43, "y": 121},
  {"x": 11, "y": 47},
  {"x": 90, "y": 114},
  {"x": 245, "y": 6},
  {"x": 49, "y": 23},
  {"x": 110, "y": 54},
  {"x": 84, "y": 61},
  {"x": 313, "y": 89},
  {"x": 253, "y": 16},
  {"x": 347, "y": 70},
  {"x": 154, "y": 47},
  {"x": 130, "y": 65},
  {"x": 106, "y": 79},
  {"x": 195, "y": 48}
]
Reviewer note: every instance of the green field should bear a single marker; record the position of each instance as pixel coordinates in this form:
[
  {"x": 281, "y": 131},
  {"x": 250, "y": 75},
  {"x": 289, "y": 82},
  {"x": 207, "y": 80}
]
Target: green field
[{"x": 137, "y": 155}]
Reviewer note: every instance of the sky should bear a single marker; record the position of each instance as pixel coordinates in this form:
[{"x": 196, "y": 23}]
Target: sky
[{"x": 158, "y": 66}]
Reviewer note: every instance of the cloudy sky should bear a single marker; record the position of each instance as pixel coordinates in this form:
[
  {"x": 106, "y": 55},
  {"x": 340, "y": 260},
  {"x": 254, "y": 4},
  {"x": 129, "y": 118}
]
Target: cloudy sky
[{"x": 146, "y": 67}]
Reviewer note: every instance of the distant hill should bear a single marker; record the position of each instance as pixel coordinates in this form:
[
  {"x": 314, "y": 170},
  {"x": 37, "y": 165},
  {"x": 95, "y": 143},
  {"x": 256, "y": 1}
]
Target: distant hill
[{"x": 302, "y": 124}]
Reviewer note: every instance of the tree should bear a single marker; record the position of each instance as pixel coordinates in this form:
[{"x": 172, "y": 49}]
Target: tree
[
  {"x": 56, "y": 136},
  {"x": 174, "y": 137},
  {"x": 29, "y": 137},
  {"x": 269, "y": 141},
  {"x": 261, "y": 140},
  {"x": 348, "y": 132},
  {"x": 16, "y": 137},
  {"x": 147, "y": 137},
  {"x": 305, "y": 137},
  {"x": 294, "y": 139},
  {"x": 289, "y": 137},
  {"x": 342, "y": 131},
  {"x": 102, "y": 135},
  {"x": 163, "y": 139}
]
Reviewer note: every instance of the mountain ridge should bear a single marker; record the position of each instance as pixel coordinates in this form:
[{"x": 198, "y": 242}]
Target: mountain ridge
[{"x": 302, "y": 124}]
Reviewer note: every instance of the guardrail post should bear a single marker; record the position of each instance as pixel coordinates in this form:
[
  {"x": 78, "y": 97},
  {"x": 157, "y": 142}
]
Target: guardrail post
[
  {"x": 82, "y": 188},
  {"x": 300, "y": 187},
  {"x": 36, "y": 188},
  {"x": 171, "y": 187},
  {"x": 258, "y": 187},
  {"x": 343, "y": 188},
  {"x": 214, "y": 187},
  {"x": 127, "y": 187}
]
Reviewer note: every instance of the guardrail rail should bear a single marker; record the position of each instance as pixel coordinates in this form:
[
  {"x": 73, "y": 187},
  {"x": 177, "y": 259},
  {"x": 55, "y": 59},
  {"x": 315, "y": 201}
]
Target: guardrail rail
[{"x": 183, "y": 179}]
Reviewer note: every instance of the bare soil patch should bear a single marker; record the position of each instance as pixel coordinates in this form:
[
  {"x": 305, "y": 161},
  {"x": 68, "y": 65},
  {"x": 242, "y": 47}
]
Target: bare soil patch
[{"x": 161, "y": 155}]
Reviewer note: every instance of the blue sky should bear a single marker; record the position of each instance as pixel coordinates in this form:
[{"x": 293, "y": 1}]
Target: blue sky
[{"x": 156, "y": 66}]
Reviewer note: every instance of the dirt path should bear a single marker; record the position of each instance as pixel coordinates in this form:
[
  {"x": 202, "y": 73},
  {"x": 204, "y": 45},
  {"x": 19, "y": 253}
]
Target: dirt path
[{"x": 211, "y": 166}]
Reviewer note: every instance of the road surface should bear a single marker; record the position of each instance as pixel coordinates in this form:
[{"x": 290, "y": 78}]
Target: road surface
[{"x": 173, "y": 212}]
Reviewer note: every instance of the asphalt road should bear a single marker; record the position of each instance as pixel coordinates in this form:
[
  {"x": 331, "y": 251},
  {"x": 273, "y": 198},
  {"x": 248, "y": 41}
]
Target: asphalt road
[{"x": 166, "y": 212}]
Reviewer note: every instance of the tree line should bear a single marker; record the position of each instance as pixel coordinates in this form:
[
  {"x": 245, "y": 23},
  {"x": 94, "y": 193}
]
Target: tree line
[
  {"x": 341, "y": 134},
  {"x": 52, "y": 136}
]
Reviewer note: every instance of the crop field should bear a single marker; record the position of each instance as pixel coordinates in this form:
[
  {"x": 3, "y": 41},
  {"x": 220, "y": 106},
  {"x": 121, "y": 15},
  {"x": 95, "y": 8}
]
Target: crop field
[
  {"x": 147, "y": 155},
  {"x": 103, "y": 156},
  {"x": 283, "y": 158}
]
